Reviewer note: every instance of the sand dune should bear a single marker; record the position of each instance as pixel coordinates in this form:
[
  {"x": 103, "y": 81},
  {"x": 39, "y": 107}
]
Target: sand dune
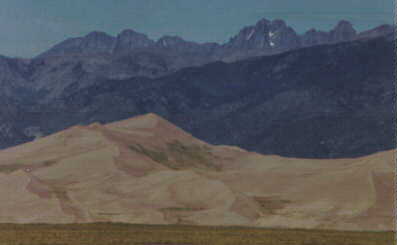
[{"x": 146, "y": 170}]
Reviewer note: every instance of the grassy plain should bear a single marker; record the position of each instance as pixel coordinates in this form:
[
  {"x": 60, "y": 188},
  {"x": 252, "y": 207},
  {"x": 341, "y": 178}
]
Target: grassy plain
[{"x": 126, "y": 234}]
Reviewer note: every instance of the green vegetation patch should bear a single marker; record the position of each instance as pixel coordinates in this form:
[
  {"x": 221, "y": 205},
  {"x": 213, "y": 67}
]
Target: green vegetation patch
[
  {"x": 157, "y": 156},
  {"x": 179, "y": 156},
  {"x": 192, "y": 155}
]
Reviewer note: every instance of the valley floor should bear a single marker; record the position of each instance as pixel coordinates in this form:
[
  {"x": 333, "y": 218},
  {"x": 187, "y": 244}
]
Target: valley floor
[{"x": 127, "y": 234}]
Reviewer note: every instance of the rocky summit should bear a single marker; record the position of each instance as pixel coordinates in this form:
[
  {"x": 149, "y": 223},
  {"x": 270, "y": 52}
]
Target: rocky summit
[{"x": 264, "y": 38}]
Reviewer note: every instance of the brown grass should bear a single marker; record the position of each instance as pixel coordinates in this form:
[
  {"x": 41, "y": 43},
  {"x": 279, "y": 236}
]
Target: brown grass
[{"x": 124, "y": 234}]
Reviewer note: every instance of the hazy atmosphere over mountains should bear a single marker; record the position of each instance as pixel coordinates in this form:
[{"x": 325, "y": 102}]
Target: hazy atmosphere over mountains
[
  {"x": 266, "y": 84},
  {"x": 32, "y": 27}
]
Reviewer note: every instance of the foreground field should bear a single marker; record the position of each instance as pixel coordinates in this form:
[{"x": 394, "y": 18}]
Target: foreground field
[{"x": 127, "y": 234}]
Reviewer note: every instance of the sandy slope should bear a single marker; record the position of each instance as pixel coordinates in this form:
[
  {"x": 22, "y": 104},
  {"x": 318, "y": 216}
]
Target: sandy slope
[{"x": 146, "y": 170}]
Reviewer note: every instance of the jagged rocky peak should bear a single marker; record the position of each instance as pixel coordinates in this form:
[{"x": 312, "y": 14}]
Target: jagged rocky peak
[
  {"x": 344, "y": 25},
  {"x": 181, "y": 46},
  {"x": 129, "y": 40},
  {"x": 265, "y": 37},
  {"x": 169, "y": 41},
  {"x": 97, "y": 41},
  {"x": 94, "y": 42},
  {"x": 266, "y": 34},
  {"x": 69, "y": 46},
  {"x": 343, "y": 31},
  {"x": 130, "y": 33},
  {"x": 251, "y": 37},
  {"x": 178, "y": 44},
  {"x": 262, "y": 22},
  {"x": 99, "y": 36},
  {"x": 282, "y": 36},
  {"x": 278, "y": 24},
  {"x": 314, "y": 37},
  {"x": 383, "y": 30}
]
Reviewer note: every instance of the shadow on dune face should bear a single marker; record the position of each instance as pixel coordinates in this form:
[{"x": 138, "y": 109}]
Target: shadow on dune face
[{"x": 146, "y": 170}]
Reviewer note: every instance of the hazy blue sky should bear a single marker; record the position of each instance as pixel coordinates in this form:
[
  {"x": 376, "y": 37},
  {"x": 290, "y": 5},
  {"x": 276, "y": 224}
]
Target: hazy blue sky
[{"x": 31, "y": 26}]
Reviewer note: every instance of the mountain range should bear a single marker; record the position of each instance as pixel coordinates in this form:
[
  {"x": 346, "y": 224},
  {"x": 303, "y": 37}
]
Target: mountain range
[
  {"x": 145, "y": 170},
  {"x": 264, "y": 38},
  {"x": 268, "y": 89}
]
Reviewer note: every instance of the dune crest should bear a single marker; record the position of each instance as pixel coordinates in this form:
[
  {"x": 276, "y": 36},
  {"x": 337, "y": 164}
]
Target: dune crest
[{"x": 146, "y": 170}]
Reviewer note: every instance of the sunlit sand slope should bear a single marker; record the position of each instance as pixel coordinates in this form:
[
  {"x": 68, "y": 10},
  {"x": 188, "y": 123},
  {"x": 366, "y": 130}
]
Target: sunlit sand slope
[{"x": 146, "y": 170}]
